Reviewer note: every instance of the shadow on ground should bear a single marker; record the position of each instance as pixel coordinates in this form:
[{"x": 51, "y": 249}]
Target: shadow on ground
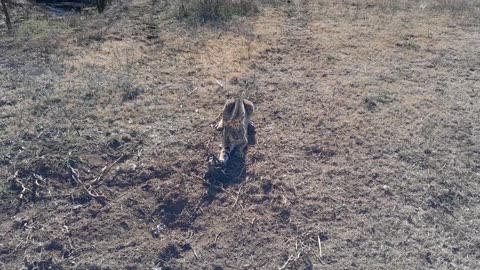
[{"x": 219, "y": 176}]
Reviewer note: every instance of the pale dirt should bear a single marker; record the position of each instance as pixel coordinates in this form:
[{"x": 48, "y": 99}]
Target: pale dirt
[{"x": 367, "y": 140}]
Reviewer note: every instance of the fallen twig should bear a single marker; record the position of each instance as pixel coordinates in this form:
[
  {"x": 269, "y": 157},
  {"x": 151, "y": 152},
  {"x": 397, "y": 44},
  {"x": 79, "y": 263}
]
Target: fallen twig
[
  {"x": 216, "y": 238},
  {"x": 20, "y": 183},
  {"x": 191, "y": 92},
  {"x": 105, "y": 170},
  {"x": 319, "y": 246},
  {"x": 68, "y": 237},
  {"x": 194, "y": 252},
  {"x": 64, "y": 110},
  {"x": 290, "y": 258},
  {"x": 237, "y": 197},
  {"x": 139, "y": 153},
  {"x": 37, "y": 185},
  {"x": 38, "y": 177},
  {"x": 76, "y": 177}
]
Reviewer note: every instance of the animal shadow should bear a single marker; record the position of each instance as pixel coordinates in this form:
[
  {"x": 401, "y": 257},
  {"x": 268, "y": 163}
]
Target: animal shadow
[{"x": 220, "y": 176}]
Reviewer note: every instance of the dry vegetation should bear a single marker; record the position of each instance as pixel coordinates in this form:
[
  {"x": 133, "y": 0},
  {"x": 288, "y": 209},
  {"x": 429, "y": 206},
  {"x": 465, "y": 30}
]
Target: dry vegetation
[
  {"x": 207, "y": 10},
  {"x": 367, "y": 136}
]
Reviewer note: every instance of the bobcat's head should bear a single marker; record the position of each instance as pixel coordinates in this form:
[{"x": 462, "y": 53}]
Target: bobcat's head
[{"x": 235, "y": 129}]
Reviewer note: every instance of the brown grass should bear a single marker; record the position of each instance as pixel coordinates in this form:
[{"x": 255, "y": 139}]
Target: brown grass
[
  {"x": 214, "y": 10},
  {"x": 366, "y": 139}
]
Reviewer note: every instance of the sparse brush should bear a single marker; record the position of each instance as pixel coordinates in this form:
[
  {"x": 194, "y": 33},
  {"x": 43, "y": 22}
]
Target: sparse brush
[
  {"x": 129, "y": 90},
  {"x": 42, "y": 29},
  {"x": 214, "y": 10},
  {"x": 373, "y": 100}
]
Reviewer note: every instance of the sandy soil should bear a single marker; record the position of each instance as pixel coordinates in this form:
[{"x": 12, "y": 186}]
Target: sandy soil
[{"x": 367, "y": 129}]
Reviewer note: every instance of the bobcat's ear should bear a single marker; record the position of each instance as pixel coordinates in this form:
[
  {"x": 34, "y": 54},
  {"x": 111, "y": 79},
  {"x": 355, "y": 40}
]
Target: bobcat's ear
[
  {"x": 249, "y": 108},
  {"x": 230, "y": 105},
  {"x": 228, "y": 109}
]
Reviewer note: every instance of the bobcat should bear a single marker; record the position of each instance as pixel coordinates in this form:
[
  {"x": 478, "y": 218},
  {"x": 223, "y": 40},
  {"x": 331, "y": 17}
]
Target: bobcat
[{"x": 234, "y": 122}]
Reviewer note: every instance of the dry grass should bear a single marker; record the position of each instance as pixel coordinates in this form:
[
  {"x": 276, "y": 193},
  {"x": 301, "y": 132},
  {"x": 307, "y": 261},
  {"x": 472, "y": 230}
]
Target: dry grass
[
  {"x": 367, "y": 139},
  {"x": 215, "y": 10}
]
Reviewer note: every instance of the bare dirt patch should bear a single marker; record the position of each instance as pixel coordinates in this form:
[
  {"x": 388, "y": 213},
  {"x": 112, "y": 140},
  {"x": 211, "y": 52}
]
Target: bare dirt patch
[{"x": 366, "y": 152}]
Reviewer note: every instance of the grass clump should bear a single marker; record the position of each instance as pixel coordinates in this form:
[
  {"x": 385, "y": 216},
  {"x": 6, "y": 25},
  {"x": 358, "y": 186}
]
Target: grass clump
[
  {"x": 215, "y": 10},
  {"x": 372, "y": 101},
  {"x": 41, "y": 28}
]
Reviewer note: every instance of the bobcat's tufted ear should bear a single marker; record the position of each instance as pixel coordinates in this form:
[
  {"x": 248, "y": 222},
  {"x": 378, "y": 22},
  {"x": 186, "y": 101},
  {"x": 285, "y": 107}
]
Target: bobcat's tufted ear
[{"x": 249, "y": 108}]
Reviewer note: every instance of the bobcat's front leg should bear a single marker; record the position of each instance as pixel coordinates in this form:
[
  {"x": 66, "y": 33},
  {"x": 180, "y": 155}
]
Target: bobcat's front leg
[
  {"x": 241, "y": 149},
  {"x": 224, "y": 154}
]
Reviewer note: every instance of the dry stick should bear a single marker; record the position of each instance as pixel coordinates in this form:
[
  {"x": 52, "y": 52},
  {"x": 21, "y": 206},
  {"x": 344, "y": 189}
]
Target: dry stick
[
  {"x": 195, "y": 253},
  {"x": 37, "y": 185},
  {"x": 105, "y": 170},
  {"x": 139, "y": 153},
  {"x": 76, "y": 177},
  {"x": 38, "y": 177},
  {"x": 290, "y": 258},
  {"x": 7, "y": 17},
  {"x": 27, "y": 238},
  {"x": 68, "y": 237},
  {"x": 216, "y": 238},
  {"x": 15, "y": 178},
  {"x": 237, "y": 197},
  {"x": 236, "y": 200},
  {"x": 319, "y": 246},
  {"x": 194, "y": 89},
  {"x": 69, "y": 119}
]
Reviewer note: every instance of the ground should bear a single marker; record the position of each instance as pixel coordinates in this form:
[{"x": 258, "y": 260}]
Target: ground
[{"x": 367, "y": 130}]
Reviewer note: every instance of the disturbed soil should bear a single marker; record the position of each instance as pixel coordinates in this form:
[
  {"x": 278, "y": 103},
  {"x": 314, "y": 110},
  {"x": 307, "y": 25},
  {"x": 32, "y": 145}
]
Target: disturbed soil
[{"x": 365, "y": 152}]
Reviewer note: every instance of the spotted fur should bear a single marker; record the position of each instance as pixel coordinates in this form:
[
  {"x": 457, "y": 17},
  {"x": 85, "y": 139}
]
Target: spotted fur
[{"x": 234, "y": 123}]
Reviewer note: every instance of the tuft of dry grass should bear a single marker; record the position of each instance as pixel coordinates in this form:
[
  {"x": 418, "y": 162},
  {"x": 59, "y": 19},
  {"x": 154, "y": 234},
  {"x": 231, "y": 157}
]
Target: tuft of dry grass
[
  {"x": 367, "y": 131},
  {"x": 215, "y": 10},
  {"x": 42, "y": 28}
]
